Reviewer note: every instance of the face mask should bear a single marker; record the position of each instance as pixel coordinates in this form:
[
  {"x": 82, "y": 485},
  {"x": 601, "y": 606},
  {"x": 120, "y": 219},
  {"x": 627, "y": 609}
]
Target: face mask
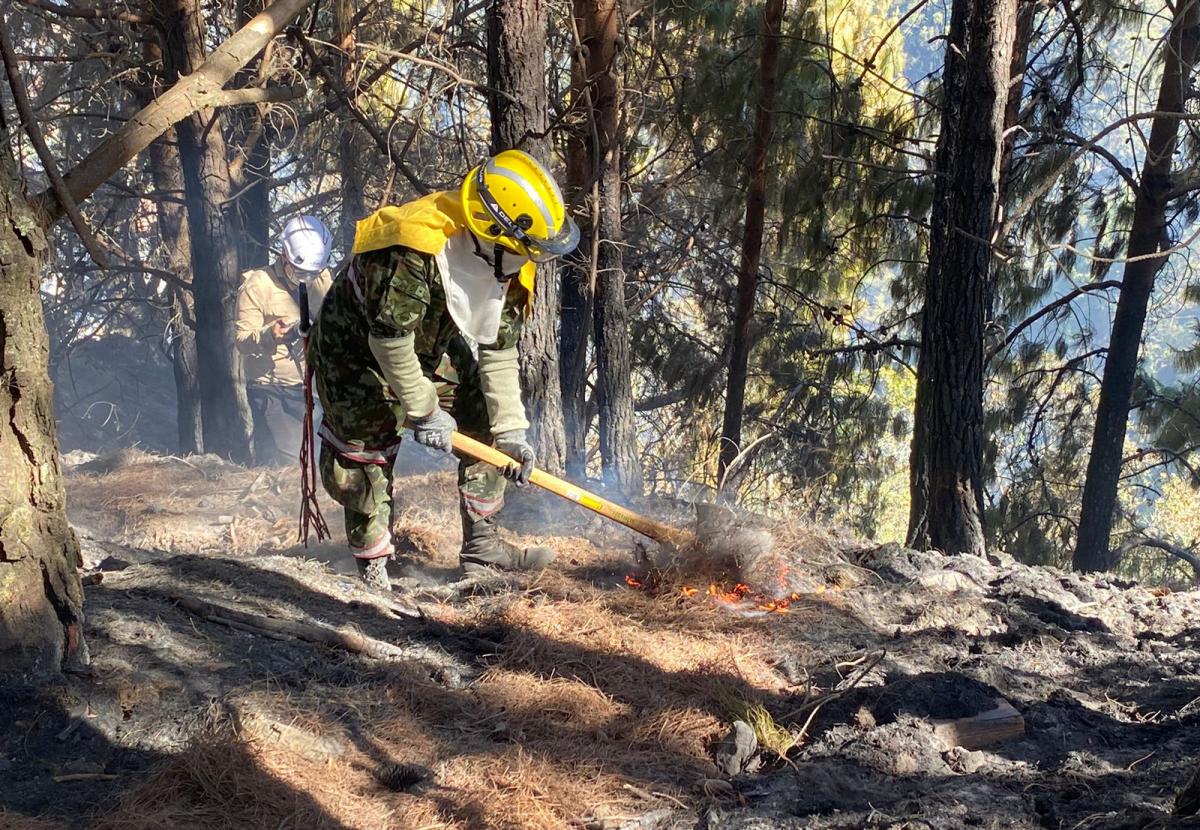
[{"x": 297, "y": 276}]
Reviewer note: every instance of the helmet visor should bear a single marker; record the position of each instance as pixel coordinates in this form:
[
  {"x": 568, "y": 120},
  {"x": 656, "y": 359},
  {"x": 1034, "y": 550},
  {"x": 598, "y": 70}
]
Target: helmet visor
[{"x": 563, "y": 242}]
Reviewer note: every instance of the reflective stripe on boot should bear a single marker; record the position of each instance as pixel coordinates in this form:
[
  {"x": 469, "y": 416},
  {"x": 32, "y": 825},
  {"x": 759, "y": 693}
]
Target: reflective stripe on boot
[{"x": 377, "y": 549}]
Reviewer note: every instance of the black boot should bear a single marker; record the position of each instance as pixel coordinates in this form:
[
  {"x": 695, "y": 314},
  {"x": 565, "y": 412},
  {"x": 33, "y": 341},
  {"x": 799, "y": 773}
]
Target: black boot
[{"x": 483, "y": 549}]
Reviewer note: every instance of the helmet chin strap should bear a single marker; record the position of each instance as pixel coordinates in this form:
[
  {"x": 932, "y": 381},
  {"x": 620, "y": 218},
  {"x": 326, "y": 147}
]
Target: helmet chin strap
[{"x": 498, "y": 263}]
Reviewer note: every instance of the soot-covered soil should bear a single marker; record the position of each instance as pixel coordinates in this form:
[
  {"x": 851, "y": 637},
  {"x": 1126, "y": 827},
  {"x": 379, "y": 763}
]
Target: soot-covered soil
[{"x": 242, "y": 681}]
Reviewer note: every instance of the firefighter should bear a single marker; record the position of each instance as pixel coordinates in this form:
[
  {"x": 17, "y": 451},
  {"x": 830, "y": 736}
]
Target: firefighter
[
  {"x": 421, "y": 328},
  {"x": 267, "y": 336}
]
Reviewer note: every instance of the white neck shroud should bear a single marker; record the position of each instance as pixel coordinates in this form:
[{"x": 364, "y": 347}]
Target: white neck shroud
[{"x": 474, "y": 298}]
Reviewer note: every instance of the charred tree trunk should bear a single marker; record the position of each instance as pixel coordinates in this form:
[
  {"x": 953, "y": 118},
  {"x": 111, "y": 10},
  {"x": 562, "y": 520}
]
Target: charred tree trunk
[
  {"x": 1148, "y": 235},
  {"x": 756, "y": 205},
  {"x": 599, "y": 23},
  {"x": 177, "y": 242},
  {"x": 578, "y": 279},
  {"x": 41, "y": 599},
  {"x": 517, "y": 78},
  {"x": 167, "y": 175},
  {"x": 251, "y": 177},
  {"x": 253, "y": 200},
  {"x": 213, "y": 225},
  {"x": 350, "y": 150},
  {"x": 946, "y": 467}
]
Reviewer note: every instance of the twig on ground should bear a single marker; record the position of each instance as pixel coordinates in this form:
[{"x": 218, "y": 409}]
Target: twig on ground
[
  {"x": 343, "y": 638},
  {"x": 842, "y": 688}
]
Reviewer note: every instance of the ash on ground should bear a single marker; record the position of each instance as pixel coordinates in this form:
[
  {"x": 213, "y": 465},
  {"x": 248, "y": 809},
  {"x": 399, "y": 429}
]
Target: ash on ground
[{"x": 242, "y": 680}]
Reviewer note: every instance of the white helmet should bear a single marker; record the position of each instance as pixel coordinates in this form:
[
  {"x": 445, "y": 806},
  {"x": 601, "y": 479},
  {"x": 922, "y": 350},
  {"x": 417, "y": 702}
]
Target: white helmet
[{"x": 307, "y": 243}]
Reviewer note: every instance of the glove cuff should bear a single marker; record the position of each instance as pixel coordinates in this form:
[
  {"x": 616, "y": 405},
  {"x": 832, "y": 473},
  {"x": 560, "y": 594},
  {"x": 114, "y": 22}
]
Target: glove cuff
[
  {"x": 427, "y": 419},
  {"x": 514, "y": 436}
]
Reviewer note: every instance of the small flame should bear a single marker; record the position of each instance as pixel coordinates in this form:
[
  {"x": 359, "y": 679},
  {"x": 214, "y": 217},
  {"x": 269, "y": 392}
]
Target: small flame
[{"x": 740, "y": 597}]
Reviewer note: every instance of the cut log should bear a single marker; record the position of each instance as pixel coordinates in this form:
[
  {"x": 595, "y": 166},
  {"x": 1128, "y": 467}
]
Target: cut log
[{"x": 1003, "y": 723}]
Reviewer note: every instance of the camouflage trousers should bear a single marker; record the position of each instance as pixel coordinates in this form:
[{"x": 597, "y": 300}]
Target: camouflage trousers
[{"x": 365, "y": 489}]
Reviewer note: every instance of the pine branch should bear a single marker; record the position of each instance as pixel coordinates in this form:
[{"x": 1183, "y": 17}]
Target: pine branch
[
  {"x": 1085, "y": 146},
  {"x": 1050, "y": 309}
]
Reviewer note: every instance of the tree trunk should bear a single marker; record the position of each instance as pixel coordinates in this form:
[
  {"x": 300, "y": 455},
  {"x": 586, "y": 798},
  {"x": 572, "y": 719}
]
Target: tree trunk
[
  {"x": 212, "y": 223},
  {"x": 1022, "y": 37},
  {"x": 350, "y": 150},
  {"x": 756, "y": 205},
  {"x": 166, "y": 171},
  {"x": 946, "y": 467},
  {"x": 517, "y": 78},
  {"x": 252, "y": 181},
  {"x": 41, "y": 599},
  {"x": 1148, "y": 235},
  {"x": 578, "y": 278},
  {"x": 621, "y": 466},
  {"x": 253, "y": 203},
  {"x": 167, "y": 175},
  {"x": 40, "y": 594}
]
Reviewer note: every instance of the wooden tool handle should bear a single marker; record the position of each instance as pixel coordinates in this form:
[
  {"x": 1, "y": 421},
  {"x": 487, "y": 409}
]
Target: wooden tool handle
[{"x": 644, "y": 525}]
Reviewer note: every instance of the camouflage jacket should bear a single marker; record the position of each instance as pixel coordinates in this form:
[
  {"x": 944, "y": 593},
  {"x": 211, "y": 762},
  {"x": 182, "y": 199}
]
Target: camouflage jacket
[{"x": 388, "y": 293}]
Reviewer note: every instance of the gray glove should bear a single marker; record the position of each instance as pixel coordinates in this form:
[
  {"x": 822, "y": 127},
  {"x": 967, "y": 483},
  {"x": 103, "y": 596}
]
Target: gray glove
[
  {"x": 514, "y": 444},
  {"x": 434, "y": 429}
]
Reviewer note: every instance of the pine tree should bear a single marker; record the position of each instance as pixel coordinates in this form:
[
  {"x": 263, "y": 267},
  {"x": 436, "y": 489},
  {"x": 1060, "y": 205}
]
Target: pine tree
[
  {"x": 1147, "y": 237},
  {"x": 517, "y": 101},
  {"x": 946, "y": 466}
]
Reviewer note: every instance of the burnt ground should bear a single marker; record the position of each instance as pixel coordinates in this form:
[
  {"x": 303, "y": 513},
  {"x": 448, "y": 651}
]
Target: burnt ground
[{"x": 570, "y": 699}]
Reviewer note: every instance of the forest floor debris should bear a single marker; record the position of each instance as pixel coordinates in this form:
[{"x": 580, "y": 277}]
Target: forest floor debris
[{"x": 568, "y": 699}]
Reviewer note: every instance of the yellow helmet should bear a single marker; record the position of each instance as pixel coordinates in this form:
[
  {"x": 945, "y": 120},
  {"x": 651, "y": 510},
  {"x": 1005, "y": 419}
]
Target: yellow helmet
[{"x": 512, "y": 201}]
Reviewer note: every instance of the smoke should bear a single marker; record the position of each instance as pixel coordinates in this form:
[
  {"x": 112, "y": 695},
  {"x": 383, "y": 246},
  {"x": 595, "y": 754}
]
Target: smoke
[{"x": 731, "y": 547}]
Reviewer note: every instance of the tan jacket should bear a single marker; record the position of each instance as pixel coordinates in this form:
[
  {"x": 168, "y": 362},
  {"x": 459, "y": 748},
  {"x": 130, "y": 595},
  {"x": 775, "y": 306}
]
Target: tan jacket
[{"x": 267, "y": 296}]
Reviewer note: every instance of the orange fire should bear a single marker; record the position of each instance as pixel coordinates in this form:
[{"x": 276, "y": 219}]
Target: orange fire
[{"x": 740, "y": 597}]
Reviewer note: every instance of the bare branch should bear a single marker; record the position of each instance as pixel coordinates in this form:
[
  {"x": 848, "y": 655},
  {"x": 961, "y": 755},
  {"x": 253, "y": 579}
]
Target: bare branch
[
  {"x": 441, "y": 67},
  {"x": 257, "y": 95},
  {"x": 65, "y": 10},
  {"x": 869, "y": 63},
  {"x": 381, "y": 140},
  {"x": 870, "y": 346},
  {"x": 188, "y": 95},
  {"x": 1177, "y": 551},
  {"x": 25, "y": 109}
]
